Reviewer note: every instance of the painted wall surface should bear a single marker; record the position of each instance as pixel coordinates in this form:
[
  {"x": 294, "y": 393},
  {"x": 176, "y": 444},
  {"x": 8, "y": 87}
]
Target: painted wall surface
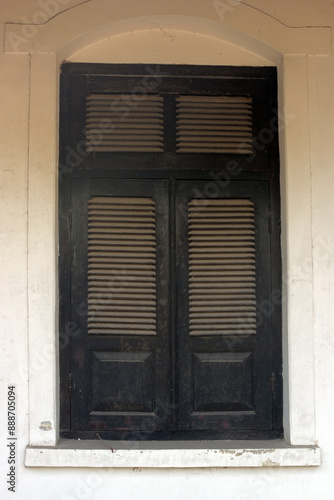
[{"x": 36, "y": 36}]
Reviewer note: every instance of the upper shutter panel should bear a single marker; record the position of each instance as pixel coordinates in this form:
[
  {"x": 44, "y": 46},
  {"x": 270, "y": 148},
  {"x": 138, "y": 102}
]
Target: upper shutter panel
[
  {"x": 222, "y": 273},
  {"x": 120, "y": 123},
  {"x": 214, "y": 124},
  {"x": 121, "y": 266}
]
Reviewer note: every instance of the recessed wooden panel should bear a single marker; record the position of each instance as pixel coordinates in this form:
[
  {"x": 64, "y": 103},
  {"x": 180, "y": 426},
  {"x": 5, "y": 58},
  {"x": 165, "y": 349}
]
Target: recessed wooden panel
[
  {"x": 122, "y": 381},
  {"x": 222, "y": 381},
  {"x": 121, "y": 266},
  {"x": 222, "y": 271}
]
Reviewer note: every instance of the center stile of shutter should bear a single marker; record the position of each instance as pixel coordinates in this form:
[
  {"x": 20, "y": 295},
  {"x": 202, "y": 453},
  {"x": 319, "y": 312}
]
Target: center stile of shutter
[
  {"x": 121, "y": 266},
  {"x": 124, "y": 123},
  {"x": 222, "y": 267}
]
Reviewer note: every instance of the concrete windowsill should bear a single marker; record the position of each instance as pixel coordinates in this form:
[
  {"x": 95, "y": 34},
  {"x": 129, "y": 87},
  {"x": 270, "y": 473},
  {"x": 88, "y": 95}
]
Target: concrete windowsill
[{"x": 68, "y": 453}]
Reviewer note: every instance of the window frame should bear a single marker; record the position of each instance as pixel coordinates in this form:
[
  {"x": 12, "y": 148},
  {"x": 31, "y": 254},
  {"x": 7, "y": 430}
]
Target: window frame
[{"x": 264, "y": 156}]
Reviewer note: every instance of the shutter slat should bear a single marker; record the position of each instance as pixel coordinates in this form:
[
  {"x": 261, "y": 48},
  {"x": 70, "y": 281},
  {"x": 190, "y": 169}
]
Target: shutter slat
[
  {"x": 141, "y": 295},
  {"x": 121, "y": 266},
  {"x": 117, "y": 123},
  {"x": 207, "y": 240},
  {"x": 107, "y": 321},
  {"x": 120, "y": 312},
  {"x": 105, "y": 244},
  {"x": 237, "y": 330},
  {"x": 216, "y": 220},
  {"x": 231, "y": 293},
  {"x": 202, "y": 304},
  {"x": 124, "y": 301},
  {"x": 122, "y": 126},
  {"x": 132, "y": 292},
  {"x": 110, "y": 250},
  {"x": 107, "y": 267},
  {"x": 227, "y": 220},
  {"x": 119, "y": 229},
  {"x": 113, "y": 212},
  {"x": 120, "y": 258},
  {"x": 217, "y": 257},
  {"x": 219, "y": 272},
  {"x": 219, "y": 314},
  {"x": 134, "y": 280},
  {"x": 217, "y": 321},
  {"x": 125, "y": 239},
  {"x": 107, "y": 274},
  {"x": 107, "y": 307},
  {"x": 222, "y": 271},
  {"x": 120, "y": 331},
  {"x": 241, "y": 277}
]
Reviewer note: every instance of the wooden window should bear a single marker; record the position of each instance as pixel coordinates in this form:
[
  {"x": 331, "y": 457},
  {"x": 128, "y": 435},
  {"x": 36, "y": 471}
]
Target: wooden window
[{"x": 169, "y": 253}]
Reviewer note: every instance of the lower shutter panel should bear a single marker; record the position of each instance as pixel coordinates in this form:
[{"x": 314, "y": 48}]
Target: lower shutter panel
[
  {"x": 120, "y": 353},
  {"x": 121, "y": 266},
  {"x": 222, "y": 282},
  {"x": 224, "y": 342}
]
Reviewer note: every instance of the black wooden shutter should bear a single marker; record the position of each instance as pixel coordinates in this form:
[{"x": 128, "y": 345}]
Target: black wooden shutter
[
  {"x": 120, "y": 358},
  {"x": 223, "y": 249}
]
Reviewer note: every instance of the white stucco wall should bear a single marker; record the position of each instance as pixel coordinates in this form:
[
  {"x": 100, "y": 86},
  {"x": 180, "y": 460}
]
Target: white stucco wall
[{"x": 297, "y": 39}]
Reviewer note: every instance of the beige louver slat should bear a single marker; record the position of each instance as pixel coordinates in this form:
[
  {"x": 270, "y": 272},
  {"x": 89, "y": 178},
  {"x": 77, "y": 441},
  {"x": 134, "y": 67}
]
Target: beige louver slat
[
  {"x": 214, "y": 124},
  {"x": 121, "y": 266},
  {"x": 122, "y": 124},
  {"x": 222, "y": 286}
]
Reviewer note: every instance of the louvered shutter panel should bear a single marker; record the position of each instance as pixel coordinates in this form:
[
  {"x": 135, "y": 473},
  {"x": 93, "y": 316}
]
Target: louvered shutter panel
[
  {"x": 214, "y": 124},
  {"x": 120, "y": 349},
  {"x": 122, "y": 123},
  {"x": 223, "y": 334},
  {"x": 222, "y": 273},
  {"x": 121, "y": 266}
]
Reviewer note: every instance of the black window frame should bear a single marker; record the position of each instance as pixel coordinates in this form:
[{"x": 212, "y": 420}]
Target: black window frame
[{"x": 78, "y": 166}]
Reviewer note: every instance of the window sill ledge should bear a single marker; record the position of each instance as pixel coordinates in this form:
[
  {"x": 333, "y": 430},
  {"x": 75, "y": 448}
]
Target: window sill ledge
[{"x": 173, "y": 455}]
